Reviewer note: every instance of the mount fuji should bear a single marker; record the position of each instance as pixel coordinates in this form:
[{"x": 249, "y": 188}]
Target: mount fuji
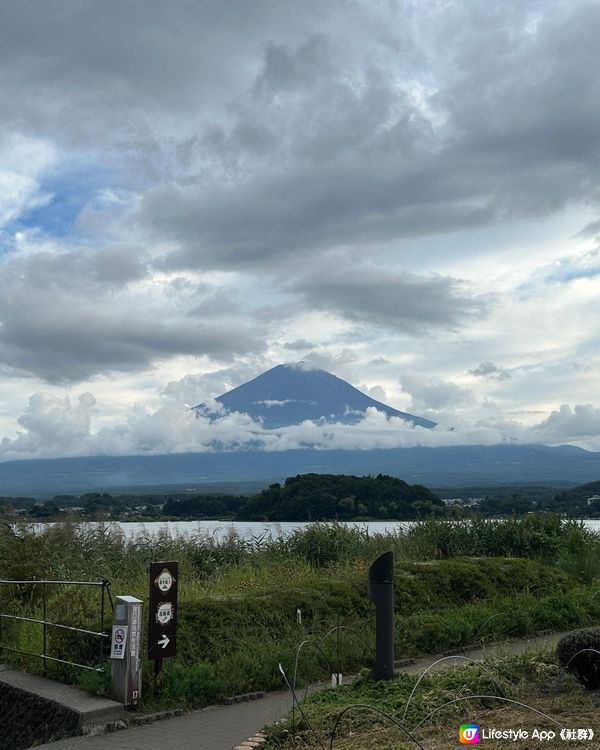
[
  {"x": 293, "y": 393},
  {"x": 288, "y": 395}
]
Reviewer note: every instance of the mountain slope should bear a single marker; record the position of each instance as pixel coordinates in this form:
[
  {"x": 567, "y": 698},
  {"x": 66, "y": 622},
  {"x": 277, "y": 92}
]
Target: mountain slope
[{"x": 290, "y": 394}]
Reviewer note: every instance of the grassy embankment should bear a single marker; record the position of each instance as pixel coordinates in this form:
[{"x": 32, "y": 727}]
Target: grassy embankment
[{"x": 456, "y": 584}]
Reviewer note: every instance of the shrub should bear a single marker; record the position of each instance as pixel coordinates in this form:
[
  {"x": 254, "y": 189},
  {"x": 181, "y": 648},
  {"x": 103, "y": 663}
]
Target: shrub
[{"x": 579, "y": 652}]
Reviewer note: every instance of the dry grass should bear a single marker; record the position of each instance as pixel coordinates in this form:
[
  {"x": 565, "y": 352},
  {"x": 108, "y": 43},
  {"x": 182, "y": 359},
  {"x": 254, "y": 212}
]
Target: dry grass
[
  {"x": 575, "y": 711},
  {"x": 541, "y": 686}
]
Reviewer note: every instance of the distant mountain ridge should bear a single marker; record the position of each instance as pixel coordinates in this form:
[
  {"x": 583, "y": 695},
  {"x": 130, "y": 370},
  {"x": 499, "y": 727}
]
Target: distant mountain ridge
[
  {"x": 289, "y": 394},
  {"x": 483, "y": 465}
]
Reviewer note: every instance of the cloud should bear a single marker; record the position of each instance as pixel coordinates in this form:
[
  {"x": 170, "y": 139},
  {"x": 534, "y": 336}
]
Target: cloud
[
  {"x": 396, "y": 147},
  {"x": 592, "y": 229},
  {"x": 383, "y": 297},
  {"x": 54, "y": 425},
  {"x": 299, "y": 345},
  {"x": 69, "y": 342},
  {"x": 580, "y": 424},
  {"x": 434, "y": 395},
  {"x": 23, "y": 162},
  {"x": 202, "y": 387},
  {"x": 284, "y": 69},
  {"x": 490, "y": 370},
  {"x": 376, "y": 391},
  {"x": 42, "y": 268},
  {"x": 308, "y": 134},
  {"x": 105, "y": 315}
]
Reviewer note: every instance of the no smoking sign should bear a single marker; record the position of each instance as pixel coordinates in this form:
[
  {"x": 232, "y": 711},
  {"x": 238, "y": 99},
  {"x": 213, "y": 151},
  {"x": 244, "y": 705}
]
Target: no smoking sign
[{"x": 119, "y": 642}]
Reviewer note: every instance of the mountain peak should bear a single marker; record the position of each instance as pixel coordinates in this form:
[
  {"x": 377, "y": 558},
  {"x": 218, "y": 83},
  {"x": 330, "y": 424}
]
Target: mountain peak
[{"x": 294, "y": 392}]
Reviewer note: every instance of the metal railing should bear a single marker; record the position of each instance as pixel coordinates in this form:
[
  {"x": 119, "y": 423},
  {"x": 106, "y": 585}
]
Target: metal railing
[{"x": 101, "y": 635}]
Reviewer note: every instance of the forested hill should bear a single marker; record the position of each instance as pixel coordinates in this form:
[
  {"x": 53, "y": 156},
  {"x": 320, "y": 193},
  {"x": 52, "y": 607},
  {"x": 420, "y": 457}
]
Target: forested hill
[
  {"x": 333, "y": 496},
  {"x": 575, "y": 500}
]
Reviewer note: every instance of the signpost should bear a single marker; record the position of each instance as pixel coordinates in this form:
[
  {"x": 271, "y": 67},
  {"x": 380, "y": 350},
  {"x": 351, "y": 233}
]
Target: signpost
[
  {"x": 162, "y": 624},
  {"x": 125, "y": 648},
  {"x": 381, "y": 593}
]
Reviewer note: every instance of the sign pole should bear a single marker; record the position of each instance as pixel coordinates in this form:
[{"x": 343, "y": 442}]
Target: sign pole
[
  {"x": 381, "y": 593},
  {"x": 158, "y": 665}
]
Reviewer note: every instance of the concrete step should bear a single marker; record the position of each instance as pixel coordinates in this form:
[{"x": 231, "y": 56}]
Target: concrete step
[{"x": 34, "y": 707}]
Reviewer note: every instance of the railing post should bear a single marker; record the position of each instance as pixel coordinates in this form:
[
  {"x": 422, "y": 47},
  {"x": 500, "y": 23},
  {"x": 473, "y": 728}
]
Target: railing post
[
  {"x": 381, "y": 593},
  {"x": 44, "y": 627},
  {"x": 101, "y": 654}
]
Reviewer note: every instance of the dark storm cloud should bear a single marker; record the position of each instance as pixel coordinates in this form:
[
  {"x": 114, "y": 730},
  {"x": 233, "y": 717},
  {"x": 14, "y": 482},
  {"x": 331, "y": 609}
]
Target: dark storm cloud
[
  {"x": 299, "y": 345},
  {"x": 285, "y": 69},
  {"x": 263, "y": 132},
  {"x": 382, "y": 297},
  {"x": 113, "y": 266},
  {"x": 99, "y": 70},
  {"x": 364, "y": 153},
  {"x": 490, "y": 370},
  {"x": 71, "y": 342},
  {"x": 68, "y": 316}
]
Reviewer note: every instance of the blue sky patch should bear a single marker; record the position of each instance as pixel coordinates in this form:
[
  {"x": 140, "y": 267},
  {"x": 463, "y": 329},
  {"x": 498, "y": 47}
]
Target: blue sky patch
[{"x": 71, "y": 190}]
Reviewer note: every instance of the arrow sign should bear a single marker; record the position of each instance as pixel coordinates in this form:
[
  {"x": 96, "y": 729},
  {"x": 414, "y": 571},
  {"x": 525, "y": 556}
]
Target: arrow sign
[{"x": 164, "y": 641}]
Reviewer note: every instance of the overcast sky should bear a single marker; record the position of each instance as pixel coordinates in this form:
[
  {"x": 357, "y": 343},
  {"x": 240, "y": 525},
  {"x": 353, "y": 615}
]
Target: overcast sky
[{"x": 406, "y": 194}]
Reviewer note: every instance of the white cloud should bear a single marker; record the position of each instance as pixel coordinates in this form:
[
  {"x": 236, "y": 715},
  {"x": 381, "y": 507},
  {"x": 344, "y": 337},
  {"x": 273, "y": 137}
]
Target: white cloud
[
  {"x": 579, "y": 424},
  {"x": 434, "y": 395},
  {"x": 23, "y": 161},
  {"x": 54, "y": 426}
]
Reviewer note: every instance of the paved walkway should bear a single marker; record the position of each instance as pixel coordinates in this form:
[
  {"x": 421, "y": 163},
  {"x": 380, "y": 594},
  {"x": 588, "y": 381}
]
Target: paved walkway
[
  {"x": 214, "y": 728},
  {"x": 224, "y": 727}
]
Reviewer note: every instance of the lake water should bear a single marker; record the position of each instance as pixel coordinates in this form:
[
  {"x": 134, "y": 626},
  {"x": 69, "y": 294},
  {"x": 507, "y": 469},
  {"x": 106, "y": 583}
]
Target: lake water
[
  {"x": 243, "y": 529},
  {"x": 252, "y": 529}
]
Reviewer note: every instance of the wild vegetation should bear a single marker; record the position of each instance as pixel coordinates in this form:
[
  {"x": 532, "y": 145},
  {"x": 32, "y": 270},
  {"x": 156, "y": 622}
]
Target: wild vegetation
[
  {"x": 456, "y": 583},
  {"x": 578, "y": 652},
  {"x": 504, "y": 693}
]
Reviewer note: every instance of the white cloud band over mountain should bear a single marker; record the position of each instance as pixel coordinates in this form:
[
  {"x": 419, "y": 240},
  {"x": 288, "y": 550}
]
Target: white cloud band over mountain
[{"x": 53, "y": 427}]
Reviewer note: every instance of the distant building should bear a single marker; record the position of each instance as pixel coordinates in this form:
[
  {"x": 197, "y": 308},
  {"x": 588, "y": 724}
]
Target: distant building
[
  {"x": 593, "y": 499},
  {"x": 462, "y": 502}
]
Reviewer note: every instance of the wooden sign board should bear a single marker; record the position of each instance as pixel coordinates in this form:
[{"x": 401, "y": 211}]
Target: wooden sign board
[{"x": 162, "y": 610}]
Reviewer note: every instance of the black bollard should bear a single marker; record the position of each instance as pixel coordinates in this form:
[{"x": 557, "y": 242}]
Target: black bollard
[{"x": 381, "y": 593}]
